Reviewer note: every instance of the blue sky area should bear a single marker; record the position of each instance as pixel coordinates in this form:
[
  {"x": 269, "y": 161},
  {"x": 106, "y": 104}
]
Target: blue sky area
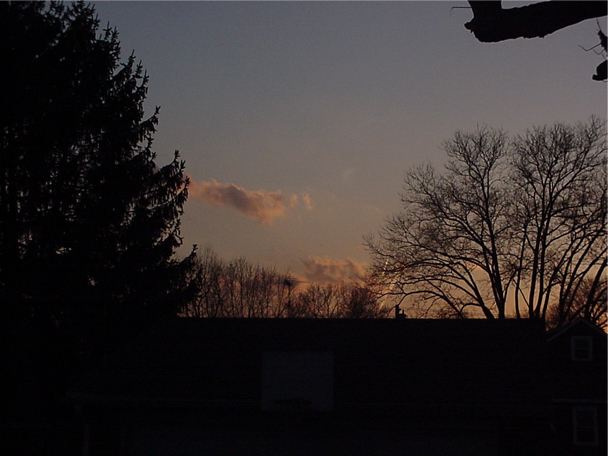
[{"x": 297, "y": 120}]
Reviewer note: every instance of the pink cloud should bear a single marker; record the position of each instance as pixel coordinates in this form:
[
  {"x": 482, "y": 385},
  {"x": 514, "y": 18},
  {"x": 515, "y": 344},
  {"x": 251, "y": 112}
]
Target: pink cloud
[
  {"x": 257, "y": 205},
  {"x": 307, "y": 201},
  {"x": 327, "y": 270}
]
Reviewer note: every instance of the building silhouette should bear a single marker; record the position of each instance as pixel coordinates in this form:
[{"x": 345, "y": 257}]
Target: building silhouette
[{"x": 348, "y": 387}]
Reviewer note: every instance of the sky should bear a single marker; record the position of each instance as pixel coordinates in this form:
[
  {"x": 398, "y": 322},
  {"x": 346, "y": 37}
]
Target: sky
[{"x": 298, "y": 120}]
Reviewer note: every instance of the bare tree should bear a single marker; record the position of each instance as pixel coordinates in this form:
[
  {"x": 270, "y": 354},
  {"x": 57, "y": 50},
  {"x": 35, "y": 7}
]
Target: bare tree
[
  {"x": 319, "y": 300},
  {"x": 444, "y": 248},
  {"x": 559, "y": 177},
  {"x": 517, "y": 222},
  {"x": 590, "y": 302},
  {"x": 357, "y": 301},
  {"x": 346, "y": 300},
  {"x": 240, "y": 289},
  {"x": 207, "y": 275}
]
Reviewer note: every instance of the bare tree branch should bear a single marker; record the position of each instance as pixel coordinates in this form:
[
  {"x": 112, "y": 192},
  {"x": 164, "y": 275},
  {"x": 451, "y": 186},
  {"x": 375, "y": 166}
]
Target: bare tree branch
[{"x": 492, "y": 23}]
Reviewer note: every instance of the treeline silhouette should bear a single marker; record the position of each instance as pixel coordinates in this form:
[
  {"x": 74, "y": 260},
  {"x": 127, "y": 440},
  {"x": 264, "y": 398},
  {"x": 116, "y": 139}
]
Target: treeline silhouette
[{"x": 239, "y": 288}]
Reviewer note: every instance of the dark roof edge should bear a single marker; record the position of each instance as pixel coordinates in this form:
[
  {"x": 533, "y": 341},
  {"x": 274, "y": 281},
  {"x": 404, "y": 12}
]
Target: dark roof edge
[{"x": 559, "y": 331}]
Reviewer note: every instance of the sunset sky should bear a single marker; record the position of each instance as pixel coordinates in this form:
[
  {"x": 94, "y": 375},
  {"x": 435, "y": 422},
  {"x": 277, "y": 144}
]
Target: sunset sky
[{"x": 297, "y": 120}]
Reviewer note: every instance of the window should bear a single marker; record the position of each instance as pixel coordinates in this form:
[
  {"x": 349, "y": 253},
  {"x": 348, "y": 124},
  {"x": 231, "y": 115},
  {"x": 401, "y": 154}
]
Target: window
[
  {"x": 298, "y": 381},
  {"x": 581, "y": 348},
  {"x": 585, "y": 425}
]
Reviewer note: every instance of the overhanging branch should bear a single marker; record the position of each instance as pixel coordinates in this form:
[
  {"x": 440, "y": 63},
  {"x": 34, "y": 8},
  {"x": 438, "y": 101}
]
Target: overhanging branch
[{"x": 492, "y": 23}]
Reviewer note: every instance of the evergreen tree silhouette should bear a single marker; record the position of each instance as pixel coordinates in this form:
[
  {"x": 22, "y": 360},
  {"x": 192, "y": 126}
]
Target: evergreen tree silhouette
[{"x": 89, "y": 224}]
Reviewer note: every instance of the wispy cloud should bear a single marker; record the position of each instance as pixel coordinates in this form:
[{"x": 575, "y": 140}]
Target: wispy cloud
[
  {"x": 260, "y": 205},
  {"x": 307, "y": 200},
  {"x": 327, "y": 270}
]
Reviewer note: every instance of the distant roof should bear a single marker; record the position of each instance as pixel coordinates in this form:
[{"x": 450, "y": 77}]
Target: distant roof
[{"x": 554, "y": 333}]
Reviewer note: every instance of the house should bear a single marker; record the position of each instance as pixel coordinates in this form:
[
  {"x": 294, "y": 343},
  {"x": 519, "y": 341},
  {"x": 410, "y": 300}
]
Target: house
[
  {"x": 324, "y": 387},
  {"x": 576, "y": 355}
]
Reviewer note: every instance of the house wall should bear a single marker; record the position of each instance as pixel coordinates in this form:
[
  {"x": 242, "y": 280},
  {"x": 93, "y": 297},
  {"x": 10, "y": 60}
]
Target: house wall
[
  {"x": 292, "y": 435},
  {"x": 379, "y": 387},
  {"x": 577, "y": 385},
  {"x": 250, "y": 431}
]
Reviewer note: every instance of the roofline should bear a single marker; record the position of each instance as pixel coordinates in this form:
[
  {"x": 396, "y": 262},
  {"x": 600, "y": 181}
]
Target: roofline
[{"x": 563, "y": 329}]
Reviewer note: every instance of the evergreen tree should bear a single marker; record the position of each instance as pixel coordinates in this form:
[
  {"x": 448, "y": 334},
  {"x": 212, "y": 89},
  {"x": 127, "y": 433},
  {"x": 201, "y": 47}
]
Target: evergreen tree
[{"x": 89, "y": 224}]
